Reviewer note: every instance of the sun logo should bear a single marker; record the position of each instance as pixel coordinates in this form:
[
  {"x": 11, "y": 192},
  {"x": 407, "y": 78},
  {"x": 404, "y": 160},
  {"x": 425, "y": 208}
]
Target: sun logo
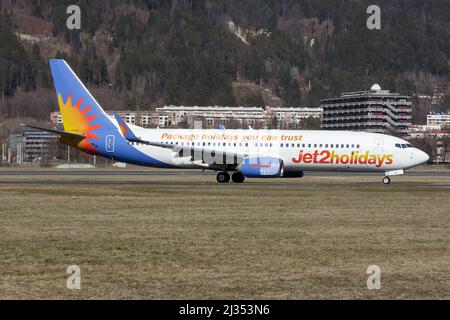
[{"x": 76, "y": 120}]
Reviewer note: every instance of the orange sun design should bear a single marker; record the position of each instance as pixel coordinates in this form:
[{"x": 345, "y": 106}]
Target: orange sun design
[{"x": 76, "y": 120}]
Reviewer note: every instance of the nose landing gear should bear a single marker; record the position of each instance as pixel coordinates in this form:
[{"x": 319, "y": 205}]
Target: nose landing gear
[{"x": 387, "y": 179}]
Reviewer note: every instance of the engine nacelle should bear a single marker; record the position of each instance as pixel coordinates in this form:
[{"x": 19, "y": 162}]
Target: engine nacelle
[
  {"x": 261, "y": 167},
  {"x": 292, "y": 173}
]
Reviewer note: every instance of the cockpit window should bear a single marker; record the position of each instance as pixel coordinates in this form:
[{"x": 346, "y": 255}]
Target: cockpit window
[{"x": 403, "y": 145}]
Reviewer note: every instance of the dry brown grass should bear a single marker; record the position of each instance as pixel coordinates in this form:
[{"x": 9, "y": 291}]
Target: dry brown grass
[{"x": 177, "y": 237}]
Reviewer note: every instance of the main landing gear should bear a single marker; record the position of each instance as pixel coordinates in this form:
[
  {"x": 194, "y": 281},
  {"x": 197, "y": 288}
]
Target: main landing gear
[
  {"x": 224, "y": 177},
  {"x": 237, "y": 177}
]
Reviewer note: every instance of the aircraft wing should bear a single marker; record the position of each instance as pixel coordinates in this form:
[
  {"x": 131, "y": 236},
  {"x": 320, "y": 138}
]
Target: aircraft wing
[
  {"x": 203, "y": 157},
  {"x": 189, "y": 153}
]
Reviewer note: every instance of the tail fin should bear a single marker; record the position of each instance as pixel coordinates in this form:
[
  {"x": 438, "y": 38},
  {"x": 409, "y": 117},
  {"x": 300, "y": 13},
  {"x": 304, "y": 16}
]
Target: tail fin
[
  {"x": 81, "y": 113},
  {"x": 79, "y": 110}
]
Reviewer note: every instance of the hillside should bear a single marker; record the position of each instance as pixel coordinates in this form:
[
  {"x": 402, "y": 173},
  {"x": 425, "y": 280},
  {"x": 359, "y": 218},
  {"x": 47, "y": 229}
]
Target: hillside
[{"x": 146, "y": 53}]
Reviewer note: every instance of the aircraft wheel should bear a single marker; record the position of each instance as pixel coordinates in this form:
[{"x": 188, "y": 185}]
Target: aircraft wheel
[
  {"x": 223, "y": 177},
  {"x": 237, "y": 177},
  {"x": 386, "y": 180}
]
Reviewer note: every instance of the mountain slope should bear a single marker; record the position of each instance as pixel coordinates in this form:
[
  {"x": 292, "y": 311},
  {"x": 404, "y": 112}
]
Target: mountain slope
[{"x": 141, "y": 54}]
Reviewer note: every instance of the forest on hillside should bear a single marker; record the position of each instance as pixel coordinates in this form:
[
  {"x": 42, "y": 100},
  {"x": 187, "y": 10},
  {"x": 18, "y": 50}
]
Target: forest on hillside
[{"x": 139, "y": 54}]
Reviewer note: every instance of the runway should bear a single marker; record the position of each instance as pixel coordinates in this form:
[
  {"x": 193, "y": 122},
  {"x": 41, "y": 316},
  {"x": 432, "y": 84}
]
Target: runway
[{"x": 178, "y": 172}]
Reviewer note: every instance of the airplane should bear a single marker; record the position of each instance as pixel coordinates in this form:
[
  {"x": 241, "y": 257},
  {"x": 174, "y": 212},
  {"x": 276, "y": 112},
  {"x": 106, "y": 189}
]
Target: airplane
[{"x": 234, "y": 154}]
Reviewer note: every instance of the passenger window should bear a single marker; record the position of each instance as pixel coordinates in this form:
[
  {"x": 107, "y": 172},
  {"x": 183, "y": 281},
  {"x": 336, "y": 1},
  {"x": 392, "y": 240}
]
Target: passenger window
[
  {"x": 320, "y": 145},
  {"x": 353, "y": 146},
  {"x": 281, "y": 145},
  {"x": 309, "y": 145},
  {"x": 293, "y": 145}
]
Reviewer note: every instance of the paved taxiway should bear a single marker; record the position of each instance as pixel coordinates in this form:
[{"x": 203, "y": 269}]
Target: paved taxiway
[{"x": 176, "y": 172}]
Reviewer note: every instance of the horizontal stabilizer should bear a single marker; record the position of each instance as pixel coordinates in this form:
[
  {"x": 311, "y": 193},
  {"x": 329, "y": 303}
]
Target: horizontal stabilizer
[{"x": 60, "y": 132}]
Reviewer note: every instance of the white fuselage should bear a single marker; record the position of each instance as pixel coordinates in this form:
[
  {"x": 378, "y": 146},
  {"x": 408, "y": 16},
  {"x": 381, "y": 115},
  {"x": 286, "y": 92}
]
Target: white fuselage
[{"x": 298, "y": 149}]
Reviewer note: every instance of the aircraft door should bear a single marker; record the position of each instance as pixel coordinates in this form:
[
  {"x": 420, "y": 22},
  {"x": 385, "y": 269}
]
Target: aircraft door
[
  {"x": 109, "y": 143},
  {"x": 378, "y": 146}
]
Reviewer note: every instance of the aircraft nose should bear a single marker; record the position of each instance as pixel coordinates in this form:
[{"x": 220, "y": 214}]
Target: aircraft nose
[{"x": 421, "y": 156}]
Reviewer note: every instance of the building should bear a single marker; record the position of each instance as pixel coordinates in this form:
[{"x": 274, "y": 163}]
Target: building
[
  {"x": 32, "y": 146},
  {"x": 257, "y": 117},
  {"x": 213, "y": 116},
  {"x": 287, "y": 117},
  {"x": 375, "y": 110},
  {"x": 417, "y": 131},
  {"x": 440, "y": 119},
  {"x": 139, "y": 118}
]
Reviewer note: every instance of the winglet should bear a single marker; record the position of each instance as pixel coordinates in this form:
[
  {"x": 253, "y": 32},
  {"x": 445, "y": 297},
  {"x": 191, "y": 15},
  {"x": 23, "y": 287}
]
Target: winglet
[{"x": 125, "y": 129}]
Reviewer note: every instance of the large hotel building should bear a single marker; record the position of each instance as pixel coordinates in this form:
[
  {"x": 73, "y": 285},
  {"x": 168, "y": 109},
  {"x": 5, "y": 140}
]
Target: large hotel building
[{"x": 375, "y": 110}]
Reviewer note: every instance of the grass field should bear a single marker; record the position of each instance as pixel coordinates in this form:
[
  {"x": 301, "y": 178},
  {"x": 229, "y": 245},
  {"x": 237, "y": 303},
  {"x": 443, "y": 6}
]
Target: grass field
[{"x": 186, "y": 237}]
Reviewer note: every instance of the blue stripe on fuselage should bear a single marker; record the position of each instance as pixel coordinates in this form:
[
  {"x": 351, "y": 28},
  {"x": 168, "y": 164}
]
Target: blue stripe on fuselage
[{"x": 124, "y": 152}]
